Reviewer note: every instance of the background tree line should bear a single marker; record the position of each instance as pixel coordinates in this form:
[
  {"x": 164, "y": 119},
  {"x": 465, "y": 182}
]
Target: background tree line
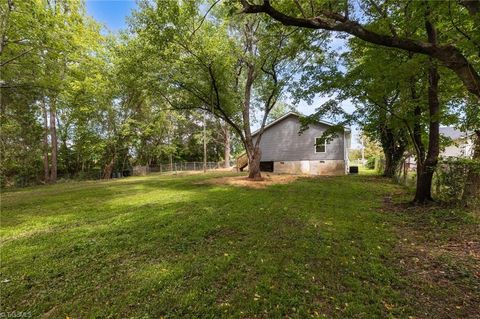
[
  {"x": 74, "y": 100},
  {"x": 71, "y": 105}
]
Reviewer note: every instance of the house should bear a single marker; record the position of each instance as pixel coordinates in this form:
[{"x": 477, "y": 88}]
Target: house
[
  {"x": 459, "y": 144},
  {"x": 284, "y": 150}
]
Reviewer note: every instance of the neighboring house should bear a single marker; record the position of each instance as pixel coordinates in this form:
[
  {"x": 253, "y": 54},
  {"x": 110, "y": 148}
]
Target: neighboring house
[
  {"x": 460, "y": 144},
  {"x": 284, "y": 150}
]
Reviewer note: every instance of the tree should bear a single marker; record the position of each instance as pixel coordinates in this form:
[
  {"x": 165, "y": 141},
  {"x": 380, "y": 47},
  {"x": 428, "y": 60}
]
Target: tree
[
  {"x": 280, "y": 109},
  {"x": 73, "y": 104},
  {"x": 376, "y": 95},
  {"x": 387, "y": 25},
  {"x": 42, "y": 44},
  {"x": 229, "y": 66}
]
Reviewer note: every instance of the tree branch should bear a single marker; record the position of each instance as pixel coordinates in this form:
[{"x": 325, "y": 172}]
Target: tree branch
[
  {"x": 448, "y": 54},
  {"x": 16, "y": 57},
  {"x": 204, "y": 17}
]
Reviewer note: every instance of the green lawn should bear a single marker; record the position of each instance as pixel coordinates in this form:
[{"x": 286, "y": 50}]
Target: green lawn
[{"x": 174, "y": 246}]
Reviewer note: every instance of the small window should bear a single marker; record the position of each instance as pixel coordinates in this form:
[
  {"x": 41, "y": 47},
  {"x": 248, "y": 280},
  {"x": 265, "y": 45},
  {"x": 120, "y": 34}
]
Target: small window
[{"x": 320, "y": 145}]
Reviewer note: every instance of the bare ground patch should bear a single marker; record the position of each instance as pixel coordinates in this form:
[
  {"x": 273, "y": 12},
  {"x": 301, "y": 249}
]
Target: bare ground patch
[
  {"x": 243, "y": 181},
  {"x": 438, "y": 251}
]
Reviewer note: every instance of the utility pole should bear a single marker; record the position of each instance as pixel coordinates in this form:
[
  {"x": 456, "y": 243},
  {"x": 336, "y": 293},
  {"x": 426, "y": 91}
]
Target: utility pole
[{"x": 204, "y": 143}]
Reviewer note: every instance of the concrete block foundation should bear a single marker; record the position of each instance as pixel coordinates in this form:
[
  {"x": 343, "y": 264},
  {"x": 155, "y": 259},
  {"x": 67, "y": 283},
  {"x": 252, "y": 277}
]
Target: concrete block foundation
[{"x": 311, "y": 167}]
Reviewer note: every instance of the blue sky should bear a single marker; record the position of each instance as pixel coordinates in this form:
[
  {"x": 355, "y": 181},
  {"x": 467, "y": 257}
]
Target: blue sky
[{"x": 113, "y": 13}]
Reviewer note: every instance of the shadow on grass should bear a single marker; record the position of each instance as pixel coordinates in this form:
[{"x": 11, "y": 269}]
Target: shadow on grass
[{"x": 151, "y": 247}]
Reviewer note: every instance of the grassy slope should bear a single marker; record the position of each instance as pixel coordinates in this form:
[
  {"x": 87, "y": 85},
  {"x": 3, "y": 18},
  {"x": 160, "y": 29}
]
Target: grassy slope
[{"x": 175, "y": 247}]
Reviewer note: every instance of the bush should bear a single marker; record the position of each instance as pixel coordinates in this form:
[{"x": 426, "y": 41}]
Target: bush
[
  {"x": 450, "y": 177},
  {"x": 379, "y": 164},
  {"x": 370, "y": 163}
]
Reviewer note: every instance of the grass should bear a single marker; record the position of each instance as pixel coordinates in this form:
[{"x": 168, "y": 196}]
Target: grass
[{"x": 174, "y": 246}]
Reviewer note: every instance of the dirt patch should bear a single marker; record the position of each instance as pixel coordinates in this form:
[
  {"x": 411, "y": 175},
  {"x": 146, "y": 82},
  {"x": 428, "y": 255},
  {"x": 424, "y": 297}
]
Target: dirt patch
[
  {"x": 443, "y": 281},
  {"x": 268, "y": 179},
  {"x": 438, "y": 253},
  {"x": 465, "y": 248}
]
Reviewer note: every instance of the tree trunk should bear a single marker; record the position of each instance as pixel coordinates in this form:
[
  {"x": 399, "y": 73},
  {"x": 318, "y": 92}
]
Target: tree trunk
[
  {"x": 426, "y": 169},
  {"x": 107, "y": 171},
  {"x": 254, "y": 154},
  {"x": 204, "y": 144},
  {"x": 254, "y": 164},
  {"x": 66, "y": 158},
  {"x": 393, "y": 149},
  {"x": 424, "y": 184},
  {"x": 423, "y": 190},
  {"x": 390, "y": 166},
  {"x": 53, "y": 138},
  {"x": 4, "y": 25},
  {"x": 393, "y": 140},
  {"x": 393, "y": 155},
  {"x": 124, "y": 162},
  {"x": 46, "y": 168},
  {"x": 226, "y": 147},
  {"x": 472, "y": 184}
]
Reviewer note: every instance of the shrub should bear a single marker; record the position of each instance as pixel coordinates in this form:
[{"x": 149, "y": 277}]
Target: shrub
[
  {"x": 379, "y": 164},
  {"x": 370, "y": 163},
  {"x": 450, "y": 177}
]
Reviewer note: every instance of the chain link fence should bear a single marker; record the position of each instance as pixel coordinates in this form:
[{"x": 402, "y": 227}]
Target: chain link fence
[
  {"x": 177, "y": 167},
  {"x": 96, "y": 174}
]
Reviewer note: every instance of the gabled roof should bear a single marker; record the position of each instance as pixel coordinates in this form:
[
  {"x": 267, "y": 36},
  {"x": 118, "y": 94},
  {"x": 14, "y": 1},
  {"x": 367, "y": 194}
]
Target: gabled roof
[
  {"x": 453, "y": 133},
  {"x": 296, "y": 115}
]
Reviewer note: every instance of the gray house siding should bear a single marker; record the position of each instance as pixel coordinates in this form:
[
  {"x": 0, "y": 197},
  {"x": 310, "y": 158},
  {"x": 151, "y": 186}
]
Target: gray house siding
[
  {"x": 295, "y": 153},
  {"x": 281, "y": 142}
]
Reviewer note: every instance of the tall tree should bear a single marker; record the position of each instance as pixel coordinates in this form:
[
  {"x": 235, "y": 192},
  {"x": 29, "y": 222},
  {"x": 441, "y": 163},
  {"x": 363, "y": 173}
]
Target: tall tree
[
  {"x": 426, "y": 165},
  {"x": 228, "y": 66},
  {"x": 376, "y": 93},
  {"x": 386, "y": 24}
]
